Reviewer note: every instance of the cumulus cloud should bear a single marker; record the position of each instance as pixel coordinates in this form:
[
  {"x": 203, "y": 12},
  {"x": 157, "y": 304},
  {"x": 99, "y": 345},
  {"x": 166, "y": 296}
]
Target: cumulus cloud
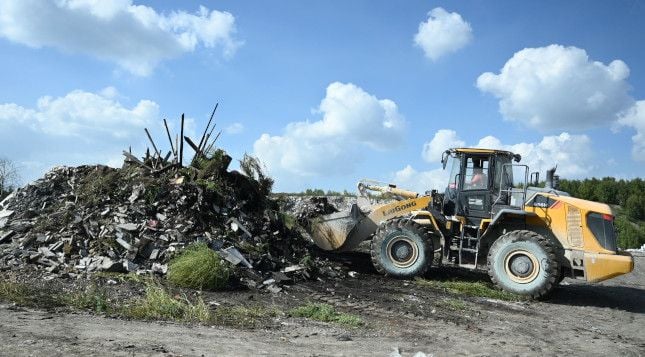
[
  {"x": 421, "y": 181},
  {"x": 235, "y": 128},
  {"x": 443, "y": 33},
  {"x": 78, "y": 128},
  {"x": 557, "y": 87},
  {"x": 442, "y": 140},
  {"x": 635, "y": 118},
  {"x": 572, "y": 153},
  {"x": 352, "y": 122},
  {"x": 136, "y": 37}
]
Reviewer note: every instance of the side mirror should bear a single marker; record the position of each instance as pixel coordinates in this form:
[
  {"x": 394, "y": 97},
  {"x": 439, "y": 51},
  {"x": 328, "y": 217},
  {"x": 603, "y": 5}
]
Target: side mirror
[{"x": 444, "y": 158}]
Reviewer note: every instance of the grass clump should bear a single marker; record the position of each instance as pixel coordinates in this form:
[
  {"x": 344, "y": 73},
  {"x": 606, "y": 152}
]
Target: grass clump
[
  {"x": 158, "y": 304},
  {"x": 326, "y": 313},
  {"x": 25, "y": 295},
  {"x": 454, "y": 304},
  {"x": 469, "y": 288},
  {"x": 242, "y": 316},
  {"x": 92, "y": 298},
  {"x": 199, "y": 267}
]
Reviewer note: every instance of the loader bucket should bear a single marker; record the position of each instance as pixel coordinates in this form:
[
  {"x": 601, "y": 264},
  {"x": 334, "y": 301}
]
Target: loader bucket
[{"x": 342, "y": 231}]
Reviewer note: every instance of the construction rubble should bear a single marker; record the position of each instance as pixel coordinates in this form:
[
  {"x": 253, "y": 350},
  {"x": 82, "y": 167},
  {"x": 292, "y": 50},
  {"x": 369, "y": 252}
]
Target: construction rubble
[{"x": 78, "y": 220}]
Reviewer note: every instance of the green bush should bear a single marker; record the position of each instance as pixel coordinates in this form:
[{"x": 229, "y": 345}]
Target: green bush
[{"x": 199, "y": 267}]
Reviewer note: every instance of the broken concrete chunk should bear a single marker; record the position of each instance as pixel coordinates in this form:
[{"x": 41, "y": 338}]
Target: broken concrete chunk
[
  {"x": 128, "y": 226},
  {"x": 159, "y": 268},
  {"x": 237, "y": 225},
  {"x": 5, "y": 213},
  {"x": 161, "y": 216},
  {"x": 154, "y": 254},
  {"x": 46, "y": 252},
  {"x": 130, "y": 266},
  {"x": 124, "y": 244},
  {"x": 56, "y": 246},
  {"x": 136, "y": 192},
  {"x": 274, "y": 288},
  {"x": 234, "y": 256},
  {"x": 292, "y": 268},
  {"x": 6, "y": 235},
  {"x": 109, "y": 265}
]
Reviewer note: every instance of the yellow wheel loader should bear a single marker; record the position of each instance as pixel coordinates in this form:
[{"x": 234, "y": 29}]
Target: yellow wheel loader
[{"x": 528, "y": 238}]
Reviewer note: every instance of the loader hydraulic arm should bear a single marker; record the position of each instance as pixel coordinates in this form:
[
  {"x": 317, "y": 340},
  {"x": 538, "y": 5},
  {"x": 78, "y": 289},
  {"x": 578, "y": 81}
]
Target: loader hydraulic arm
[{"x": 400, "y": 194}]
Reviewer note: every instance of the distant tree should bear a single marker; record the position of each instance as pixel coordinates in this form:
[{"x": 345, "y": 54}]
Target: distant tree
[
  {"x": 635, "y": 207},
  {"x": 630, "y": 235},
  {"x": 8, "y": 177}
]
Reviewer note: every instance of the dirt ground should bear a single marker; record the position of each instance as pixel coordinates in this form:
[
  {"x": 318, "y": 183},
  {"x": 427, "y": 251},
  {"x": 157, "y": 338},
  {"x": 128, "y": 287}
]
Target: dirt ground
[{"x": 401, "y": 318}]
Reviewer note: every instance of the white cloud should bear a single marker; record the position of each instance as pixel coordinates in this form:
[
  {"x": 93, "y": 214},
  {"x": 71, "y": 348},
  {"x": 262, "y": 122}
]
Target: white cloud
[
  {"x": 557, "y": 87},
  {"x": 572, "y": 153},
  {"x": 78, "y": 128},
  {"x": 442, "y": 33},
  {"x": 421, "y": 181},
  {"x": 235, "y": 128},
  {"x": 352, "y": 121},
  {"x": 635, "y": 118},
  {"x": 135, "y": 37},
  {"x": 443, "y": 139}
]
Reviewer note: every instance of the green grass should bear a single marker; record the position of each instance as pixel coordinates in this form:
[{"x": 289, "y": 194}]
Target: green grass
[
  {"x": 326, "y": 313},
  {"x": 158, "y": 304},
  {"x": 199, "y": 267},
  {"x": 453, "y": 304},
  {"x": 25, "y": 295},
  {"x": 243, "y": 316},
  {"x": 92, "y": 298},
  {"x": 289, "y": 220},
  {"x": 469, "y": 288}
]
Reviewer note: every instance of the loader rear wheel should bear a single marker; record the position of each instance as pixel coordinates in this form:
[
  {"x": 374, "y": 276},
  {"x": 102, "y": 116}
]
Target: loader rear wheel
[
  {"x": 523, "y": 262},
  {"x": 401, "y": 248}
]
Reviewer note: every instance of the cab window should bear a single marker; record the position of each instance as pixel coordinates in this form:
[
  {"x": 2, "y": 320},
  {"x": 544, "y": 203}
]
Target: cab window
[{"x": 476, "y": 176}]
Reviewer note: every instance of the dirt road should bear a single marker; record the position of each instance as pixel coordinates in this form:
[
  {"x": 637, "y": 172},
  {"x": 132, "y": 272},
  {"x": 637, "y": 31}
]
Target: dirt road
[{"x": 401, "y": 316}]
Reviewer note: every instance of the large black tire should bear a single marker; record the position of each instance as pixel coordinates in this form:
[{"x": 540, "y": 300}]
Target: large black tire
[
  {"x": 523, "y": 262},
  {"x": 401, "y": 248}
]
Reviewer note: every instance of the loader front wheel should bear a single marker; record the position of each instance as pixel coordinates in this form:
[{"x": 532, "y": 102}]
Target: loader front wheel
[
  {"x": 523, "y": 262},
  {"x": 401, "y": 248}
]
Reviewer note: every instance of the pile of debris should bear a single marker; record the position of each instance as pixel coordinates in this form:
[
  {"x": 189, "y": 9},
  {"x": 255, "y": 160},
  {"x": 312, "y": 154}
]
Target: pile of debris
[{"x": 96, "y": 218}]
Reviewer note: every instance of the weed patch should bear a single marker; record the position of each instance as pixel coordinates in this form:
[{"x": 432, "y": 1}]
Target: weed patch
[
  {"x": 469, "y": 288},
  {"x": 158, "y": 304},
  {"x": 24, "y": 295},
  {"x": 326, "y": 313},
  {"x": 244, "y": 317}
]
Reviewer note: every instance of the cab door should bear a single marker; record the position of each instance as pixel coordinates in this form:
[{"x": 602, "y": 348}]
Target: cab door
[{"x": 474, "y": 196}]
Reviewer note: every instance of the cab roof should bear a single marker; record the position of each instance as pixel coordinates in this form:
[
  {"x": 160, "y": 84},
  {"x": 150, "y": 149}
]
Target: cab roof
[{"x": 517, "y": 157}]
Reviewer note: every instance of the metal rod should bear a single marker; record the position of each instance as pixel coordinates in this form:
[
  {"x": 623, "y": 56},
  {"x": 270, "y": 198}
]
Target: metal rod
[
  {"x": 152, "y": 142},
  {"x": 172, "y": 148},
  {"x": 181, "y": 144},
  {"x": 213, "y": 142},
  {"x": 201, "y": 141},
  {"x": 192, "y": 145}
]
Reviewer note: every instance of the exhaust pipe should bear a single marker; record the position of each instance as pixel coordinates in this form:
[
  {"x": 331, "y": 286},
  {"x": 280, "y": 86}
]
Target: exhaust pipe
[{"x": 552, "y": 180}]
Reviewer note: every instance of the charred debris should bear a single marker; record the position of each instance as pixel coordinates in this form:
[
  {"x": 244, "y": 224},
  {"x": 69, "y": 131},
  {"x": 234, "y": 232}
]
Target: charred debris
[{"x": 79, "y": 220}]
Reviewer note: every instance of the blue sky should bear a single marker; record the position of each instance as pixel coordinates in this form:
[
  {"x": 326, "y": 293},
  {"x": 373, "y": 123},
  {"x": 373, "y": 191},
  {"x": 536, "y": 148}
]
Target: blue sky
[{"x": 328, "y": 92}]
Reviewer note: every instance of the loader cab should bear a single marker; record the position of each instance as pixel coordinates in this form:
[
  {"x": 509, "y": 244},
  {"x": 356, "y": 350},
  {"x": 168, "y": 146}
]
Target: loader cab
[{"x": 478, "y": 182}]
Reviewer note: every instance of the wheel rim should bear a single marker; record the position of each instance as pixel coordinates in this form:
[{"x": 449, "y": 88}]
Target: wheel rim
[
  {"x": 402, "y": 251},
  {"x": 521, "y": 266}
]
